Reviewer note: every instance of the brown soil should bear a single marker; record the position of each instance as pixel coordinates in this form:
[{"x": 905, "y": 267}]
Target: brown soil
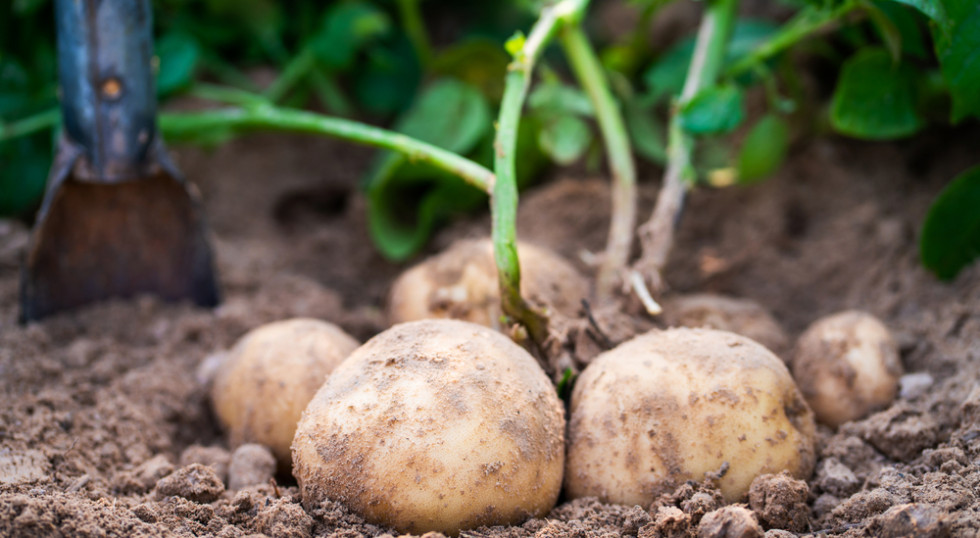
[{"x": 105, "y": 428}]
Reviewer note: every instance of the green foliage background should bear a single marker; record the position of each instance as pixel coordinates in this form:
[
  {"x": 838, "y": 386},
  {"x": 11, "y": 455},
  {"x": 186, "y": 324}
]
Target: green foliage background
[{"x": 435, "y": 70}]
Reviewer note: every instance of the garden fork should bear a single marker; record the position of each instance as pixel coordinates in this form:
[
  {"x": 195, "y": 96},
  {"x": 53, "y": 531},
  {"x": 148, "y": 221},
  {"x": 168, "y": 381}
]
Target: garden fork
[{"x": 118, "y": 219}]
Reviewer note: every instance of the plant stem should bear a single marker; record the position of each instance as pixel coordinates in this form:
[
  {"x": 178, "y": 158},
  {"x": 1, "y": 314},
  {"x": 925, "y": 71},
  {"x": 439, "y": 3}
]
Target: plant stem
[
  {"x": 657, "y": 234},
  {"x": 588, "y": 70},
  {"x": 225, "y": 72},
  {"x": 188, "y": 125},
  {"x": 227, "y": 95},
  {"x": 503, "y": 200},
  {"x": 414, "y": 27},
  {"x": 806, "y": 22},
  {"x": 302, "y": 66},
  {"x": 30, "y": 125},
  {"x": 295, "y": 71}
]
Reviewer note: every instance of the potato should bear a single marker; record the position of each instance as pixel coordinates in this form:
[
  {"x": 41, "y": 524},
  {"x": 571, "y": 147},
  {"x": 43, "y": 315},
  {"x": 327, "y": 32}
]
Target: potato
[
  {"x": 461, "y": 283},
  {"x": 740, "y": 316},
  {"x": 847, "y": 366},
  {"x": 268, "y": 378},
  {"x": 671, "y": 406},
  {"x": 435, "y": 425}
]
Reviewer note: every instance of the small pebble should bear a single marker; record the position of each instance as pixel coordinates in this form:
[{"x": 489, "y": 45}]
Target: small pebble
[
  {"x": 911, "y": 386},
  {"x": 214, "y": 457},
  {"x": 251, "y": 464}
]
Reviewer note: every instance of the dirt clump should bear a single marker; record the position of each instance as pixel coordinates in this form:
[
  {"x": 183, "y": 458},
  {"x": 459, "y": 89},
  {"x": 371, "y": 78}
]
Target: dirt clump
[
  {"x": 215, "y": 457},
  {"x": 732, "y": 521},
  {"x": 196, "y": 482},
  {"x": 780, "y": 502}
]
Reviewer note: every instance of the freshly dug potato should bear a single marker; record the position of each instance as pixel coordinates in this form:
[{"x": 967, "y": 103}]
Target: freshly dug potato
[
  {"x": 740, "y": 316},
  {"x": 434, "y": 425},
  {"x": 671, "y": 406},
  {"x": 847, "y": 366},
  {"x": 268, "y": 378},
  {"x": 461, "y": 283}
]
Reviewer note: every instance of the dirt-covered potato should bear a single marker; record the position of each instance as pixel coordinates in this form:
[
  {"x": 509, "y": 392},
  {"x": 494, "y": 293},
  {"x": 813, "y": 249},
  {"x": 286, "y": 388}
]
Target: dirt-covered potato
[
  {"x": 435, "y": 425},
  {"x": 847, "y": 366},
  {"x": 461, "y": 283},
  {"x": 268, "y": 378},
  {"x": 740, "y": 316},
  {"x": 671, "y": 406}
]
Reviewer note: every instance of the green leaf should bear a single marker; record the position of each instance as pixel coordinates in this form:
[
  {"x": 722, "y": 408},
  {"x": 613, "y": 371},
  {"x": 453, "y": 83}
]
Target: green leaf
[
  {"x": 906, "y": 21},
  {"x": 15, "y": 93},
  {"x": 515, "y": 44},
  {"x": 875, "y": 98},
  {"x": 406, "y": 200},
  {"x": 565, "y": 139},
  {"x": 958, "y": 50},
  {"x": 347, "y": 27},
  {"x": 934, "y": 9},
  {"x": 479, "y": 62},
  {"x": 450, "y": 114},
  {"x": 566, "y": 384},
  {"x": 646, "y": 132},
  {"x": 178, "y": 54},
  {"x": 24, "y": 164},
  {"x": 718, "y": 109},
  {"x": 553, "y": 97},
  {"x": 951, "y": 232},
  {"x": 24, "y": 8},
  {"x": 666, "y": 76},
  {"x": 389, "y": 78},
  {"x": 763, "y": 150},
  {"x": 887, "y": 29}
]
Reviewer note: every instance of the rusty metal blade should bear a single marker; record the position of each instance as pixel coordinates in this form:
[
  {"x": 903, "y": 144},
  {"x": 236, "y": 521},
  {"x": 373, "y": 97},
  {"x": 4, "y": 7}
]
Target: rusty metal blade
[{"x": 95, "y": 241}]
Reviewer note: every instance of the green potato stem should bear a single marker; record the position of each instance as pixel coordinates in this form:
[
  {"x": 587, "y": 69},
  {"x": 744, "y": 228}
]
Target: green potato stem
[
  {"x": 270, "y": 118},
  {"x": 588, "y": 70},
  {"x": 503, "y": 200},
  {"x": 657, "y": 234}
]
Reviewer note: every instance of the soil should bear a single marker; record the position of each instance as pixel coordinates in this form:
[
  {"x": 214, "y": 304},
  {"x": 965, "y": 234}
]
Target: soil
[{"x": 105, "y": 429}]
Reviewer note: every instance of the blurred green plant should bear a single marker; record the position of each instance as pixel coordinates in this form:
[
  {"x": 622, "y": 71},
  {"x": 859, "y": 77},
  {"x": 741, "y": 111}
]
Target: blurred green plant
[{"x": 902, "y": 65}]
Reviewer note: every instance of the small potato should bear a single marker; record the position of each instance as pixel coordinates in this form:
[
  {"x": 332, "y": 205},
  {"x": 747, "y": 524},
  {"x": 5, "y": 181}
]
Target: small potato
[
  {"x": 740, "y": 316},
  {"x": 435, "y": 425},
  {"x": 461, "y": 283},
  {"x": 671, "y": 406},
  {"x": 268, "y": 378},
  {"x": 847, "y": 366}
]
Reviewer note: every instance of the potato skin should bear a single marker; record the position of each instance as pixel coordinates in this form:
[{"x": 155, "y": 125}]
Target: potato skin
[
  {"x": 847, "y": 366},
  {"x": 461, "y": 283},
  {"x": 269, "y": 377},
  {"x": 435, "y": 425},
  {"x": 740, "y": 316},
  {"x": 670, "y": 406}
]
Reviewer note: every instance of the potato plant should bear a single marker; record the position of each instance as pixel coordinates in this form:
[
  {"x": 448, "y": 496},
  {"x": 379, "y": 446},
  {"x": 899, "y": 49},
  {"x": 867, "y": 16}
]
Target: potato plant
[{"x": 461, "y": 138}]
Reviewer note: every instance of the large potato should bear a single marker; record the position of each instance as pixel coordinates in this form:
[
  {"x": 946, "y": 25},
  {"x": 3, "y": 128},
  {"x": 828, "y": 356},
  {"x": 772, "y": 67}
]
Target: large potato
[
  {"x": 435, "y": 425},
  {"x": 847, "y": 366},
  {"x": 461, "y": 283},
  {"x": 265, "y": 382},
  {"x": 671, "y": 406}
]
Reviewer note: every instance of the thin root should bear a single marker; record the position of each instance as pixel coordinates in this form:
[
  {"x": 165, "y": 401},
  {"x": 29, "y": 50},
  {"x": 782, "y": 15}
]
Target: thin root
[{"x": 640, "y": 288}]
